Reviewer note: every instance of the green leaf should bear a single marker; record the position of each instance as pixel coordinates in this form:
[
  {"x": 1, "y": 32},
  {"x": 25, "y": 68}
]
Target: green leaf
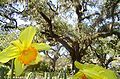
[
  {"x": 9, "y": 53},
  {"x": 41, "y": 46},
  {"x": 19, "y": 67}
]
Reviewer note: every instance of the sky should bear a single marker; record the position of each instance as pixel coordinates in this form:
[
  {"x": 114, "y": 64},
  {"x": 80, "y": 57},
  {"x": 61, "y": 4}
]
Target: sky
[
  {"x": 70, "y": 17},
  {"x": 20, "y": 7}
]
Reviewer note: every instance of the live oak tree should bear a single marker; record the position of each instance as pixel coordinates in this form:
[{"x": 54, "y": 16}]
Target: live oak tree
[{"x": 76, "y": 38}]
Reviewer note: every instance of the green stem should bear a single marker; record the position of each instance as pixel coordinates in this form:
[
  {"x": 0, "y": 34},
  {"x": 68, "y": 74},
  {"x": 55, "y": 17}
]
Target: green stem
[{"x": 12, "y": 67}]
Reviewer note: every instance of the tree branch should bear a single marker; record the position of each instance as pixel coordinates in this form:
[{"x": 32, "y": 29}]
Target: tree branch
[
  {"x": 55, "y": 36},
  {"x": 48, "y": 21},
  {"x": 11, "y": 19},
  {"x": 105, "y": 34},
  {"x": 87, "y": 17}
]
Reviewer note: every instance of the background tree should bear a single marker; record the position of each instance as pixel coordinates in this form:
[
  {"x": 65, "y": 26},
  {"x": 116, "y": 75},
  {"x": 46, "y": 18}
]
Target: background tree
[{"x": 76, "y": 38}]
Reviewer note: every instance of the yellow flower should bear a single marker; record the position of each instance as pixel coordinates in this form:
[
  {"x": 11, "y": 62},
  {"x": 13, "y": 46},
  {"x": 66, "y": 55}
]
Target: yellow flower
[
  {"x": 28, "y": 55},
  {"x": 91, "y": 71},
  {"x": 23, "y": 50}
]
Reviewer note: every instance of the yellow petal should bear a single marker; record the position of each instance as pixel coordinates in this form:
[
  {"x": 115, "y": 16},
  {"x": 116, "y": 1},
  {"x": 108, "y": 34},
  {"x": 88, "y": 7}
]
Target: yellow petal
[
  {"x": 9, "y": 53},
  {"x": 19, "y": 67},
  {"x": 18, "y": 44},
  {"x": 27, "y": 35},
  {"x": 41, "y": 46}
]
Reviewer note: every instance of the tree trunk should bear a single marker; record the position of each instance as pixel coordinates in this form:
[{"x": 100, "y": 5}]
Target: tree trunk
[
  {"x": 77, "y": 57},
  {"x": 73, "y": 66},
  {"x": 54, "y": 63}
]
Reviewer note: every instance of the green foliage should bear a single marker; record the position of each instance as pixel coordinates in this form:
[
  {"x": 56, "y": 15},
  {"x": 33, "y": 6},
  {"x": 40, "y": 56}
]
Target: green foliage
[
  {"x": 109, "y": 45},
  {"x": 44, "y": 66},
  {"x": 3, "y": 71},
  {"x": 60, "y": 26},
  {"x": 6, "y": 38},
  {"x": 90, "y": 71},
  {"x": 40, "y": 67},
  {"x": 2, "y": 2},
  {"x": 31, "y": 75}
]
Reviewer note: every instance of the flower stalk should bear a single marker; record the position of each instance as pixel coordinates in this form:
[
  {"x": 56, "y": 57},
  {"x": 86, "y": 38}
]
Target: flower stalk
[{"x": 12, "y": 69}]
